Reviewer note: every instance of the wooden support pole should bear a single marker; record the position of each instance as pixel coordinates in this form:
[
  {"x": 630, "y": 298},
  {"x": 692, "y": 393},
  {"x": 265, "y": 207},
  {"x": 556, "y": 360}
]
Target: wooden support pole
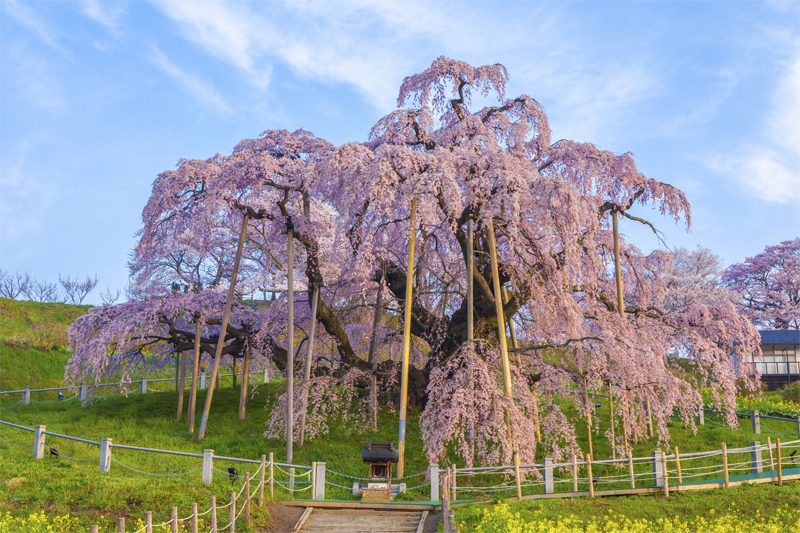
[
  {"x": 271, "y": 477},
  {"x": 589, "y": 475},
  {"x": 223, "y": 329},
  {"x": 182, "y": 385},
  {"x": 574, "y": 473},
  {"x": 307, "y": 363},
  {"x": 173, "y": 520},
  {"x": 190, "y": 412},
  {"x": 148, "y": 522},
  {"x": 678, "y": 464},
  {"x": 195, "y": 524},
  {"x": 470, "y": 281},
  {"x": 261, "y": 480},
  {"x": 666, "y": 474},
  {"x": 630, "y": 469},
  {"x": 453, "y": 497},
  {"x": 725, "y": 465},
  {"x": 625, "y": 416},
  {"x": 649, "y": 420},
  {"x": 771, "y": 460},
  {"x": 372, "y": 359},
  {"x": 501, "y": 333},
  {"x": 406, "y": 340},
  {"x": 247, "y": 498},
  {"x": 618, "y": 270},
  {"x": 611, "y": 420},
  {"x": 121, "y": 525},
  {"x": 588, "y": 414},
  {"x": 245, "y": 382},
  {"x": 213, "y": 517},
  {"x": 290, "y": 349},
  {"x": 232, "y": 514},
  {"x": 778, "y": 457}
]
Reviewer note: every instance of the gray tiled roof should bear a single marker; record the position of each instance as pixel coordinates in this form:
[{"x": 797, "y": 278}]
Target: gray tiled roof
[{"x": 780, "y": 336}]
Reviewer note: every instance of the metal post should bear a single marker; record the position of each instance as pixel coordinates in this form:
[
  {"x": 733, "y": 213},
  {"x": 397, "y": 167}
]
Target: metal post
[
  {"x": 756, "y": 458},
  {"x": 223, "y": 329},
  {"x": 105, "y": 455},
  {"x": 319, "y": 487},
  {"x": 26, "y": 395},
  {"x": 307, "y": 364},
  {"x": 208, "y": 466},
  {"x": 143, "y": 386},
  {"x": 501, "y": 333},
  {"x": 434, "y": 473},
  {"x": 658, "y": 469},
  {"x": 38, "y": 442},
  {"x": 756, "y": 422},
  {"x": 290, "y": 349},
  {"x": 406, "y": 341},
  {"x": 548, "y": 476}
]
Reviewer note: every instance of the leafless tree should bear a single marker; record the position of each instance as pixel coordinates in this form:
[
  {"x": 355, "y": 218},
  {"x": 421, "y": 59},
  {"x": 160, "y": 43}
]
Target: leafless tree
[
  {"x": 12, "y": 285},
  {"x": 42, "y": 291},
  {"x": 108, "y": 297},
  {"x": 76, "y": 290}
]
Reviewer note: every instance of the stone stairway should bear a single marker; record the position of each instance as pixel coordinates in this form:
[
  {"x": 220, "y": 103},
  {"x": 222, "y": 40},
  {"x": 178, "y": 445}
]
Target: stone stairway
[{"x": 360, "y": 521}]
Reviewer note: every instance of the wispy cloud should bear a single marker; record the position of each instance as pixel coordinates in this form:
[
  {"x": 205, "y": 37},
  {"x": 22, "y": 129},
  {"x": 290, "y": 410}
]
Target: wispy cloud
[
  {"x": 28, "y": 18},
  {"x": 107, "y": 14},
  {"x": 195, "y": 86}
]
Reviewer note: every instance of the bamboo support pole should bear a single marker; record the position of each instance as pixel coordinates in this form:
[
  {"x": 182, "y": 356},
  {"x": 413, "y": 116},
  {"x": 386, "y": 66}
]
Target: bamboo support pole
[
  {"x": 453, "y": 483},
  {"x": 625, "y": 417},
  {"x": 406, "y": 340},
  {"x": 589, "y": 475},
  {"x": 574, "y": 473},
  {"x": 223, "y": 329},
  {"x": 630, "y": 469},
  {"x": 678, "y": 464},
  {"x": 611, "y": 420},
  {"x": 771, "y": 460},
  {"x": 498, "y": 302},
  {"x": 307, "y": 363},
  {"x": 588, "y": 414},
  {"x": 190, "y": 412},
  {"x": 620, "y": 302},
  {"x": 182, "y": 386},
  {"x": 290, "y": 349},
  {"x": 261, "y": 480},
  {"x": 271, "y": 477},
  {"x": 727, "y": 480},
  {"x": 471, "y": 309},
  {"x": 195, "y": 524},
  {"x": 245, "y": 382},
  {"x": 213, "y": 513},
  {"x": 666, "y": 474},
  {"x": 232, "y": 514},
  {"x": 649, "y": 420},
  {"x": 148, "y": 522},
  {"x": 173, "y": 520},
  {"x": 247, "y": 499},
  {"x": 372, "y": 360},
  {"x": 778, "y": 457}
]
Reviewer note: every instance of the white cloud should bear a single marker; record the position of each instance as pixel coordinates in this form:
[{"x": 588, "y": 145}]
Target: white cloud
[
  {"x": 106, "y": 14},
  {"x": 195, "y": 86},
  {"x": 33, "y": 22}
]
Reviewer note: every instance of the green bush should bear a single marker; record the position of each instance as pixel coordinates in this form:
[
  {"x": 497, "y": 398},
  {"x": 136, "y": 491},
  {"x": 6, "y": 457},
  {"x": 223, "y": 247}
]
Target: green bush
[{"x": 791, "y": 392}]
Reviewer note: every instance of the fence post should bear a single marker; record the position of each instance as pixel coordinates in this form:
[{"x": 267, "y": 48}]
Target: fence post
[
  {"x": 434, "y": 473},
  {"x": 778, "y": 457},
  {"x": 756, "y": 423},
  {"x": 453, "y": 482},
  {"x": 725, "y": 465},
  {"x": 203, "y": 381},
  {"x": 271, "y": 477},
  {"x": 93, "y": 529},
  {"x": 213, "y": 517},
  {"x": 143, "y": 386},
  {"x": 208, "y": 465},
  {"x": 173, "y": 520},
  {"x": 194, "y": 518},
  {"x": 266, "y": 377},
  {"x": 232, "y": 525},
  {"x": 701, "y": 417},
  {"x": 148, "y": 522},
  {"x": 82, "y": 392},
  {"x": 658, "y": 469},
  {"x": 313, "y": 478},
  {"x": 261, "y": 480},
  {"x": 319, "y": 487},
  {"x": 38, "y": 443},
  {"x": 121, "y": 524},
  {"x": 798, "y": 427},
  {"x": 246, "y": 496},
  {"x": 756, "y": 459},
  {"x": 548, "y": 476},
  {"x": 26, "y": 395},
  {"x": 105, "y": 455}
]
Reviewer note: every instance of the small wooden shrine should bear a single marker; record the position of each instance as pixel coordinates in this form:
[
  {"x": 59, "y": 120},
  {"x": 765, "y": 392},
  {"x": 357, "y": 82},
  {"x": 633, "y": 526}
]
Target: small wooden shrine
[{"x": 380, "y": 456}]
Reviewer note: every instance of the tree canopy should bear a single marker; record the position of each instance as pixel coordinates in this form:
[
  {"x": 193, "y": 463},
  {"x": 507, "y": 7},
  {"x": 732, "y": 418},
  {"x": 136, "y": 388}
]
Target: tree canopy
[{"x": 549, "y": 205}]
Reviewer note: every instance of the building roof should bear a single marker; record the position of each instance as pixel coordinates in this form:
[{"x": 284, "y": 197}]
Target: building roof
[{"x": 780, "y": 336}]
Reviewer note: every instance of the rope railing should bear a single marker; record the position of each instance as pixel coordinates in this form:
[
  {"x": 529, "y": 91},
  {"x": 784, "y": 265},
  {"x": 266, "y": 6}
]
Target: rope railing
[{"x": 154, "y": 474}]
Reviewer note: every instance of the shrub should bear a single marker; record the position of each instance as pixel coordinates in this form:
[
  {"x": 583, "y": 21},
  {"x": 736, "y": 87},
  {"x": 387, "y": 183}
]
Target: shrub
[{"x": 791, "y": 392}]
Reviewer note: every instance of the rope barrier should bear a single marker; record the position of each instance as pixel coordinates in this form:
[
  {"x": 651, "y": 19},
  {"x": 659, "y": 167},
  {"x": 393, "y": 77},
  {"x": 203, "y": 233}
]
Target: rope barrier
[
  {"x": 59, "y": 454},
  {"x": 11, "y": 443},
  {"x": 334, "y": 485},
  {"x": 159, "y": 475}
]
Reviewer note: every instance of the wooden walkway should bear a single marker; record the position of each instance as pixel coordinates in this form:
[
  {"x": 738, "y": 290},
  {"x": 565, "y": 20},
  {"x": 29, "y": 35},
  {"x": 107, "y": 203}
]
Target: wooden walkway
[{"x": 325, "y": 520}]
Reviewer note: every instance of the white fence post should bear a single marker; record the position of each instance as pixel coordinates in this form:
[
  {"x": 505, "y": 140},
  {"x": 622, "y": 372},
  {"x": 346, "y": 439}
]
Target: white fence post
[
  {"x": 798, "y": 427},
  {"x": 756, "y": 459},
  {"x": 701, "y": 420},
  {"x": 756, "y": 423},
  {"x": 203, "y": 381},
  {"x": 434, "y": 472},
  {"x": 319, "y": 481},
  {"x": 548, "y": 476},
  {"x": 266, "y": 377},
  {"x": 208, "y": 465},
  {"x": 143, "y": 386},
  {"x": 26, "y": 395},
  {"x": 105, "y": 455},
  {"x": 82, "y": 395},
  {"x": 38, "y": 443},
  {"x": 658, "y": 469}
]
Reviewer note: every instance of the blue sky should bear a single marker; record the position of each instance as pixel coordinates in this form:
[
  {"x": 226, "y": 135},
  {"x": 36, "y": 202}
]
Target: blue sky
[{"x": 97, "y": 98}]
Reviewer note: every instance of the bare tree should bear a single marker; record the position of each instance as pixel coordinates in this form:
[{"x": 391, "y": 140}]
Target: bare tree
[
  {"x": 12, "y": 285},
  {"x": 108, "y": 297},
  {"x": 42, "y": 291},
  {"x": 75, "y": 290}
]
